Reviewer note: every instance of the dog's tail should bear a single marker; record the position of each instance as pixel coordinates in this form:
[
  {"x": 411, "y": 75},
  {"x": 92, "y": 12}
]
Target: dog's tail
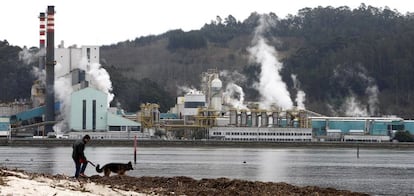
[{"x": 99, "y": 170}]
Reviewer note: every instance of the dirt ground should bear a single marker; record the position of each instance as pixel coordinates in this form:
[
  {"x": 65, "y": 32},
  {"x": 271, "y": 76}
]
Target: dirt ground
[
  {"x": 188, "y": 186},
  {"x": 222, "y": 186}
]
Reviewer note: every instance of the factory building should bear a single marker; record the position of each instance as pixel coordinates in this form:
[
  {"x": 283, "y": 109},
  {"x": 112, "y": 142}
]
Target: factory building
[
  {"x": 86, "y": 109},
  {"x": 4, "y": 126},
  {"x": 372, "y": 129},
  {"x": 90, "y": 114}
]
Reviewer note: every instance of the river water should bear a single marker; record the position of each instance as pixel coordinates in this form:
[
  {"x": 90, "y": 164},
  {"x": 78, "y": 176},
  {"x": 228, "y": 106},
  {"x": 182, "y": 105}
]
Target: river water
[{"x": 376, "y": 171}]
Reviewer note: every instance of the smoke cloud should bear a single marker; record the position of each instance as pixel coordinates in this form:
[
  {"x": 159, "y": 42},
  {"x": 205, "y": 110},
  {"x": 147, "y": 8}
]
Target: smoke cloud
[
  {"x": 232, "y": 76},
  {"x": 352, "y": 106},
  {"x": 234, "y": 96},
  {"x": 300, "y": 94},
  {"x": 271, "y": 87},
  {"x": 30, "y": 56},
  {"x": 100, "y": 79},
  {"x": 63, "y": 90},
  {"x": 187, "y": 90}
]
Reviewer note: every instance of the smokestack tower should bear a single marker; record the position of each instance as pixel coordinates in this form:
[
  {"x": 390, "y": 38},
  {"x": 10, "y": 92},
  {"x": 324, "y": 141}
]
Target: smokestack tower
[
  {"x": 42, "y": 34},
  {"x": 50, "y": 69}
]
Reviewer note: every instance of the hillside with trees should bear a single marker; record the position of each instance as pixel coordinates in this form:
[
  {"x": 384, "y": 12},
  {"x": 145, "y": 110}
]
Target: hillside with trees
[
  {"x": 335, "y": 52},
  {"x": 365, "y": 55}
]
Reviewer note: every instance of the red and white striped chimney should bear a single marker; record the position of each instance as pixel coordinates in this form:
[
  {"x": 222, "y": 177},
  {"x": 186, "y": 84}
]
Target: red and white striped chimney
[
  {"x": 42, "y": 38},
  {"x": 42, "y": 29},
  {"x": 50, "y": 19}
]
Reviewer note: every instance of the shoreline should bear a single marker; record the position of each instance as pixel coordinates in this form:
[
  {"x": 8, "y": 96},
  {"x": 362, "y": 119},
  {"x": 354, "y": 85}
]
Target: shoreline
[
  {"x": 52, "y": 142},
  {"x": 21, "y": 182}
]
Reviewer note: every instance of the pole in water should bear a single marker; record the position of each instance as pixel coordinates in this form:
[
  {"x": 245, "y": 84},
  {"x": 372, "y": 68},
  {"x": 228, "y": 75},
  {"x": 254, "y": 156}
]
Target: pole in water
[
  {"x": 135, "y": 149},
  {"x": 357, "y": 151}
]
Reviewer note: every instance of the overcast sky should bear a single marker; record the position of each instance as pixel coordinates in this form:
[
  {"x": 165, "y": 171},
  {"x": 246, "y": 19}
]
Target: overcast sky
[{"x": 99, "y": 22}]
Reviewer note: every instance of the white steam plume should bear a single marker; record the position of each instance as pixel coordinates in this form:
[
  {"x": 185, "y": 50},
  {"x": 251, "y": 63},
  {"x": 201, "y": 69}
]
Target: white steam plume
[
  {"x": 373, "y": 101},
  {"x": 188, "y": 90},
  {"x": 354, "y": 108},
  {"x": 300, "y": 95},
  {"x": 63, "y": 90},
  {"x": 232, "y": 76},
  {"x": 234, "y": 96},
  {"x": 271, "y": 87},
  {"x": 98, "y": 78},
  {"x": 29, "y": 57}
]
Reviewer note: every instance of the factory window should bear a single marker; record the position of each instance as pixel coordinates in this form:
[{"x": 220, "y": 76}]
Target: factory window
[
  {"x": 135, "y": 128},
  {"x": 84, "y": 114},
  {"x": 94, "y": 114},
  {"x": 114, "y": 128},
  {"x": 193, "y": 104},
  {"x": 88, "y": 54}
]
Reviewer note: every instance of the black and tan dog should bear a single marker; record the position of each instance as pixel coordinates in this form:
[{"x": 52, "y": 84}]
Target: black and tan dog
[{"x": 119, "y": 168}]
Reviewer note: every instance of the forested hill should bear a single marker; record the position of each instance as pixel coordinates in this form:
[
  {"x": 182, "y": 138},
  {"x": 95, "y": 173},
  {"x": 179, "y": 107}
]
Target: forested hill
[
  {"x": 366, "y": 54},
  {"x": 342, "y": 57}
]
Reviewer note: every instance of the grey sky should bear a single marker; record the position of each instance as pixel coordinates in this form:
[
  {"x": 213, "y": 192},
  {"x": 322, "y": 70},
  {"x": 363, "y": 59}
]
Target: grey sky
[{"x": 98, "y": 22}]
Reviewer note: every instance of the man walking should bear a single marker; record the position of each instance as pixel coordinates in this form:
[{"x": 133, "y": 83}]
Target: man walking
[{"x": 79, "y": 157}]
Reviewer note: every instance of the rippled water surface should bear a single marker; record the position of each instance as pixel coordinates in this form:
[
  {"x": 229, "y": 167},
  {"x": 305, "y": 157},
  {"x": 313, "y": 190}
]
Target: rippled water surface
[{"x": 376, "y": 171}]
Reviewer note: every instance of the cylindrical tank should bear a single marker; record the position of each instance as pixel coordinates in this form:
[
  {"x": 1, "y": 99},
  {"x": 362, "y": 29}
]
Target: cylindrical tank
[
  {"x": 254, "y": 119},
  {"x": 155, "y": 115},
  {"x": 275, "y": 118},
  {"x": 265, "y": 119},
  {"x": 243, "y": 118},
  {"x": 216, "y": 97},
  {"x": 233, "y": 117}
]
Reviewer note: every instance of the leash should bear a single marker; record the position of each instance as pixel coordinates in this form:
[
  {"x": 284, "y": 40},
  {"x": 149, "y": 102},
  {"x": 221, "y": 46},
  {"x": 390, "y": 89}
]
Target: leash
[{"x": 91, "y": 163}]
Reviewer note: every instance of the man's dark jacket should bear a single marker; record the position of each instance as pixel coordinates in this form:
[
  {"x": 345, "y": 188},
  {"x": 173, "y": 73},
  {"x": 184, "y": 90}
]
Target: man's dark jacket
[{"x": 78, "y": 148}]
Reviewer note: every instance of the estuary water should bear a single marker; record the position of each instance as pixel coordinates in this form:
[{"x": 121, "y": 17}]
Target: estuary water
[{"x": 376, "y": 171}]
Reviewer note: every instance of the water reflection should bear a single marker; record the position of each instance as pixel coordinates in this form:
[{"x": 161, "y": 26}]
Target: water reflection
[{"x": 377, "y": 171}]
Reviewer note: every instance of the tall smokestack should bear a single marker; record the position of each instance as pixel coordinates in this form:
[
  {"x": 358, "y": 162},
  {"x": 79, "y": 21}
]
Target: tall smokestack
[
  {"x": 50, "y": 69},
  {"x": 42, "y": 34}
]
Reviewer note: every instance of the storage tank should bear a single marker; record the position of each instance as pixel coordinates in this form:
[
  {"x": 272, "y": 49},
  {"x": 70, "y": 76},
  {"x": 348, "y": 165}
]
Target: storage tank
[
  {"x": 216, "y": 95},
  {"x": 243, "y": 118},
  {"x": 233, "y": 117},
  {"x": 275, "y": 119},
  {"x": 255, "y": 119},
  {"x": 265, "y": 119}
]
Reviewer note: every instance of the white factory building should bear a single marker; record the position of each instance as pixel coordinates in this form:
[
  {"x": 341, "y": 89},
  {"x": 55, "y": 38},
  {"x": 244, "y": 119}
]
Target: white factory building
[{"x": 89, "y": 109}]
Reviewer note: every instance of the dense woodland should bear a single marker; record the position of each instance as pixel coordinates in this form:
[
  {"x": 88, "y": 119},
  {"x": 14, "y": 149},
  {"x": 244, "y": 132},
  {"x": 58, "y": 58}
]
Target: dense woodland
[{"x": 335, "y": 53}]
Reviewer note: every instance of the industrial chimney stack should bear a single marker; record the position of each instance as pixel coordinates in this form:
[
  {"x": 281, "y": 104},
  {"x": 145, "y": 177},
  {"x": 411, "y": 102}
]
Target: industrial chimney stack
[
  {"x": 50, "y": 69},
  {"x": 42, "y": 37}
]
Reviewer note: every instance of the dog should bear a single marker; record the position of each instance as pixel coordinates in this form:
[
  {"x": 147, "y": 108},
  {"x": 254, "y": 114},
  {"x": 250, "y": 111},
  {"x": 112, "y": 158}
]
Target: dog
[{"x": 119, "y": 168}]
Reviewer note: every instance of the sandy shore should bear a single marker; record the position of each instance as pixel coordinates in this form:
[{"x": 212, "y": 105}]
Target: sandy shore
[{"x": 14, "y": 182}]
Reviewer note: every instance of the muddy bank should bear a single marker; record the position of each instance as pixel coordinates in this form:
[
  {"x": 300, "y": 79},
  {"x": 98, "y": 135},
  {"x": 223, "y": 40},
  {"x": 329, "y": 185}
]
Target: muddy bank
[
  {"x": 222, "y": 186},
  {"x": 187, "y": 186}
]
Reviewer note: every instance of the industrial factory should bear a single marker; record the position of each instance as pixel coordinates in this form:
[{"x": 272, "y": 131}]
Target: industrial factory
[{"x": 71, "y": 102}]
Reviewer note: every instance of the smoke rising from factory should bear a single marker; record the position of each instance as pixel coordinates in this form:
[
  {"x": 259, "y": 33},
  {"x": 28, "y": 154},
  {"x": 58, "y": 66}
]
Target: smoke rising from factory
[
  {"x": 234, "y": 96},
  {"x": 28, "y": 57},
  {"x": 300, "y": 94},
  {"x": 185, "y": 90},
  {"x": 63, "y": 90},
  {"x": 271, "y": 87},
  {"x": 101, "y": 80},
  {"x": 352, "y": 106}
]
